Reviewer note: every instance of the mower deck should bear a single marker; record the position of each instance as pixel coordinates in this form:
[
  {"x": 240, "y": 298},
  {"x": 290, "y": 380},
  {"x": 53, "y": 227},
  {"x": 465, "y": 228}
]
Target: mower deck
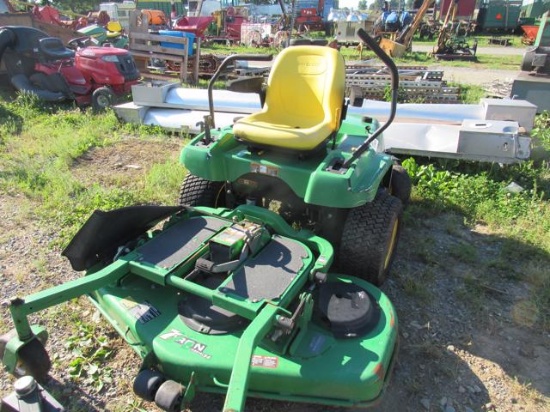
[{"x": 237, "y": 302}]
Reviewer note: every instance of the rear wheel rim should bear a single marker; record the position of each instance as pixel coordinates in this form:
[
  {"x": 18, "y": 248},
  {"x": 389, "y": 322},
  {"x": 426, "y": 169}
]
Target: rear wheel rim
[
  {"x": 103, "y": 100},
  {"x": 392, "y": 243}
]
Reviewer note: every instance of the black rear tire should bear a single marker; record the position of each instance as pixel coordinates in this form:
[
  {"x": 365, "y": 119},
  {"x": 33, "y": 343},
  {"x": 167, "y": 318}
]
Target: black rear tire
[
  {"x": 196, "y": 191},
  {"x": 401, "y": 184},
  {"x": 369, "y": 239}
]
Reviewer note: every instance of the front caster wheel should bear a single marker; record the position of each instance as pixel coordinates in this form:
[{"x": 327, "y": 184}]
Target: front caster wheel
[
  {"x": 147, "y": 384},
  {"x": 33, "y": 360},
  {"x": 169, "y": 396}
]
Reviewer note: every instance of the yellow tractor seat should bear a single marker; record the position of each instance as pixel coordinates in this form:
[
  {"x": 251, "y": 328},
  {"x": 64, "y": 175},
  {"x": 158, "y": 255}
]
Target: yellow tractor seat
[
  {"x": 114, "y": 28},
  {"x": 304, "y": 101}
]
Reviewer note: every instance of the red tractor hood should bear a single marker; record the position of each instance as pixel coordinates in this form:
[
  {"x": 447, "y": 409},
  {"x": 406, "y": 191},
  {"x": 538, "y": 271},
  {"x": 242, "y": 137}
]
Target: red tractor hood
[{"x": 98, "y": 52}]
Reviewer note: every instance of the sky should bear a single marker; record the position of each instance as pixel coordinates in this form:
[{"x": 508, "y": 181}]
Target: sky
[{"x": 351, "y": 3}]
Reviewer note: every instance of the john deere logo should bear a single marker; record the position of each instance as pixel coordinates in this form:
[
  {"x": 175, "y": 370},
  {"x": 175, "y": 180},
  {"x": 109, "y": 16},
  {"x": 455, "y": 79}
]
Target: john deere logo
[{"x": 189, "y": 344}]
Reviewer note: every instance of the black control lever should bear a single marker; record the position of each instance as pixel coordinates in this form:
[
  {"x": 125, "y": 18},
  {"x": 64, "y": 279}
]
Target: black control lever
[
  {"x": 225, "y": 63},
  {"x": 388, "y": 61}
]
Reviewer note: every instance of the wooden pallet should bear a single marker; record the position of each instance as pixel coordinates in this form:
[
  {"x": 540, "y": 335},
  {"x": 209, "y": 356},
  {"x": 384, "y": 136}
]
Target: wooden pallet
[{"x": 145, "y": 46}]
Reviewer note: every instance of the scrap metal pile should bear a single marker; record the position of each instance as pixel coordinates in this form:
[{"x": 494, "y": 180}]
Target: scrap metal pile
[
  {"x": 417, "y": 84},
  {"x": 364, "y": 80}
]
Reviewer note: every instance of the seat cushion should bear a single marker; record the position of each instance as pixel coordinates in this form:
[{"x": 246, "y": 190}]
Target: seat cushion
[
  {"x": 304, "y": 100},
  {"x": 289, "y": 133}
]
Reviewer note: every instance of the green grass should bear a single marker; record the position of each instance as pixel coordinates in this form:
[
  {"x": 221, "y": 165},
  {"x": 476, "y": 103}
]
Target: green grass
[
  {"x": 225, "y": 50},
  {"x": 482, "y": 39},
  {"x": 512, "y": 62},
  {"x": 483, "y": 62},
  {"x": 37, "y": 154}
]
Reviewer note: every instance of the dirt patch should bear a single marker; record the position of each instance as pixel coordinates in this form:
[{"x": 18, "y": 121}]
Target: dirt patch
[
  {"x": 457, "y": 353},
  {"x": 463, "y": 345},
  {"x": 127, "y": 161}
]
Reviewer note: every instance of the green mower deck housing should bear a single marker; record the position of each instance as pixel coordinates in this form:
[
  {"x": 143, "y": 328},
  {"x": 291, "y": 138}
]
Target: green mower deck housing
[{"x": 233, "y": 302}]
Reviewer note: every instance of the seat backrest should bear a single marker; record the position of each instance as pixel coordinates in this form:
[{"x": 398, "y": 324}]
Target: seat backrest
[
  {"x": 308, "y": 81},
  {"x": 52, "y": 48},
  {"x": 114, "y": 26}
]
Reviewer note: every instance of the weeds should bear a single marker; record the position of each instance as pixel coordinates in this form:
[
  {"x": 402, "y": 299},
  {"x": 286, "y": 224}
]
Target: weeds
[
  {"x": 470, "y": 93},
  {"x": 427, "y": 350},
  {"x": 472, "y": 293},
  {"x": 537, "y": 273},
  {"x": 37, "y": 157},
  {"x": 542, "y": 124},
  {"x": 415, "y": 287},
  {"x": 526, "y": 390},
  {"x": 464, "y": 252},
  {"x": 89, "y": 353},
  {"x": 481, "y": 195}
]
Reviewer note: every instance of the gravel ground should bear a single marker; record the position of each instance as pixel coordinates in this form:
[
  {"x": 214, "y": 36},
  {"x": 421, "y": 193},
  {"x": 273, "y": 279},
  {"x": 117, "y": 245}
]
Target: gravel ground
[
  {"x": 481, "y": 77},
  {"x": 482, "y": 50}
]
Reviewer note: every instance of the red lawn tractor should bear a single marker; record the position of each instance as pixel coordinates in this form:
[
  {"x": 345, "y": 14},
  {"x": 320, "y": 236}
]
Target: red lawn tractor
[{"x": 42, "y": 65}]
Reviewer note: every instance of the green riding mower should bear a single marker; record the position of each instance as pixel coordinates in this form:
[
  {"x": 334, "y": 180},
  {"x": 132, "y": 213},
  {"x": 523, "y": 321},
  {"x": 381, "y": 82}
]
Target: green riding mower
[
  {"x": 225, "y": 301},
  {"x": 235, "y": 291},
  {"x": 303, "y": 156}
]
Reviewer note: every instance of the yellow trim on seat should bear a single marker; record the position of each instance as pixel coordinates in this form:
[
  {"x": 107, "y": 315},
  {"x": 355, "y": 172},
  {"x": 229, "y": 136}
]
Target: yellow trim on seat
[{"x": 305, "y": 94}]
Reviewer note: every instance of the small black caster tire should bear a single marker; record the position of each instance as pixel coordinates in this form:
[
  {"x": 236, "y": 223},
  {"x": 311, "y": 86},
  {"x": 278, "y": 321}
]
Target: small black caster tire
[
  {"x": 147, "y": 383},
  {"x": 33, "y": 360},
  {"x": 169, "y": 396}
]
